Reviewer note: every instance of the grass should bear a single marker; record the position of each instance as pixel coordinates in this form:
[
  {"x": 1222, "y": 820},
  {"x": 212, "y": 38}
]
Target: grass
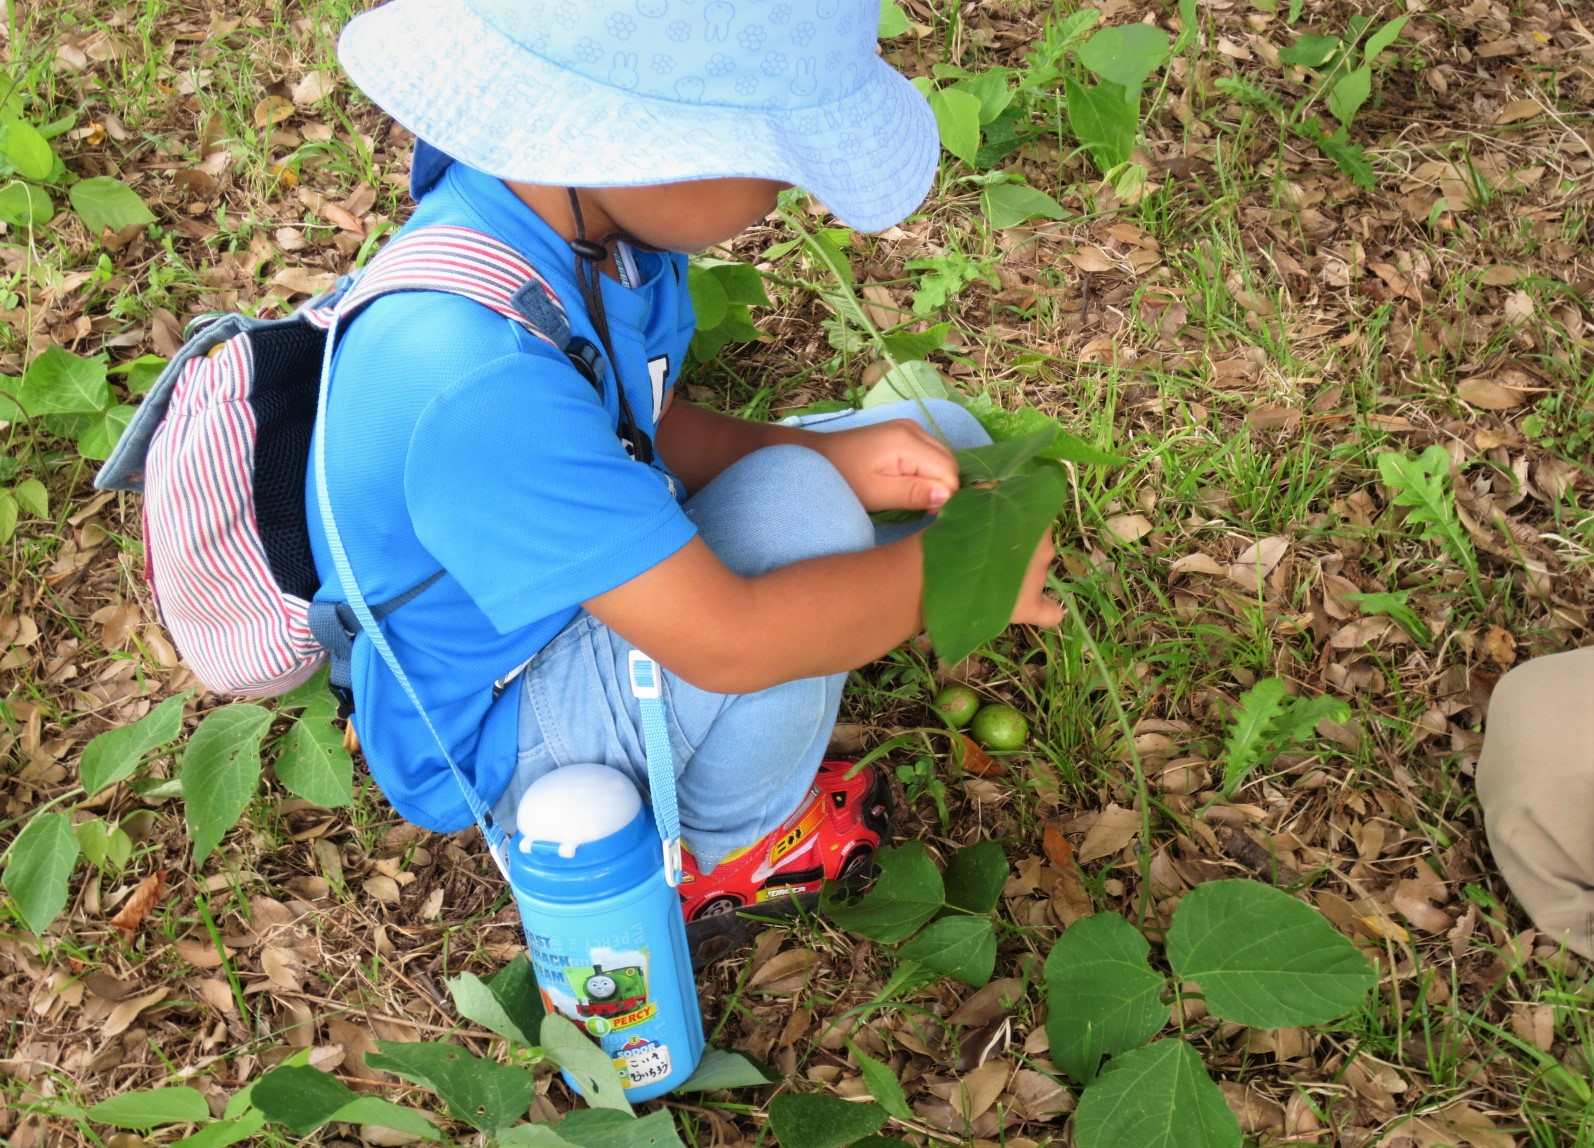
[{"x": 1263, "y": 297}]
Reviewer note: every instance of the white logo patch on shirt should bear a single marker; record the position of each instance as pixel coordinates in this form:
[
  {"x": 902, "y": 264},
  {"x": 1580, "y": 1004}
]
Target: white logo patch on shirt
[{"x": 658, "y": 372}]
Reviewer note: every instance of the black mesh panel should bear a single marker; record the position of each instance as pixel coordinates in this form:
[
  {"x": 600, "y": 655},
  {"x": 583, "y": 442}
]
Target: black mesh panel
[{"x": 287, "y": 361}]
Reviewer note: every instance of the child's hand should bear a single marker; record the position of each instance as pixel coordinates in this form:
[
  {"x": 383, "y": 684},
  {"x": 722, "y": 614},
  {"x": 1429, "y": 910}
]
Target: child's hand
[
  {"x": 895, "y": 465},
  {"x": 1033, "y": 607}
]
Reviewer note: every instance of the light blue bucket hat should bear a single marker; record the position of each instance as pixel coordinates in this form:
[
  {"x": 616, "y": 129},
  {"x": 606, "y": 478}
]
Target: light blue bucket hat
[{"x": 606, "y": 93}]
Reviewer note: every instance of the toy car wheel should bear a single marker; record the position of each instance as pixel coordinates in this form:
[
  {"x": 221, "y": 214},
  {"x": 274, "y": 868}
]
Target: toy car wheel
[
  {"x": 718, "y": 906},
  {"x": 857, "y": 864}
]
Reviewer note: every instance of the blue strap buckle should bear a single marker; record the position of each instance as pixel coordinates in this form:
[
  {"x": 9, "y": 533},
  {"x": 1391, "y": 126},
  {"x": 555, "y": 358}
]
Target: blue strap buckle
[{"x": 644, "y": 676}]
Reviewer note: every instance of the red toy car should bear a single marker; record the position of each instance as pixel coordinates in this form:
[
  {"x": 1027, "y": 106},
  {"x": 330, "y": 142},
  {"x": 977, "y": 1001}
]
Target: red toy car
[{"x": 832, "y": 837}]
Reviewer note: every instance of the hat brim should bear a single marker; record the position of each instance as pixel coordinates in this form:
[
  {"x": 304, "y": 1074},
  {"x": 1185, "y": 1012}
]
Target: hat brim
[{"x": 461, "y": 85}]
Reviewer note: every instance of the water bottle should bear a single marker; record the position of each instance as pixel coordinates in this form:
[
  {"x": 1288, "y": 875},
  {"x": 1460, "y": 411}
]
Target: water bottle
[{"x": 603, "y": 927}]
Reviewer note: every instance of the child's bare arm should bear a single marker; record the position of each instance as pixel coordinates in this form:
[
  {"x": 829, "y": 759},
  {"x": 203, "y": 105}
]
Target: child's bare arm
[
  {"x": 895, "y": 465},
  {"x": 827, "y": 615}
]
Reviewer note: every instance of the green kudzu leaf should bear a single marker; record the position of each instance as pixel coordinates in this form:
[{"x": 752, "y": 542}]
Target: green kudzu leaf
[
  {"x": 220, "y": 772},
  {"x": 1383, "y": 38},
  {"x": 115, "y": 754},
  {"x": 957, "y": 116},
  {"x": 976, "y": 554},
  {"x": 709, "y": 300},
  {"x": 152, "y": 1107},
  {"x": 1002, "y": 459},
  {"x": 808, "y": 1120},
  {"x": 1349, "y": 93},
  {"x": 477, "y": 1001},
  {"x": 483, "y": 1093},
  {"x": 1103, "y": 120},
  {"x": 140, "y": 373},
  {"x": 990, "y": 88},
  {"x": 1125, "y": 54},
  {"x": 597, "y": 1128},
  {"x": 27, "y": 149},
  {"x": 311, "y": 760},
  {"x": 39, "y": 864},
  {"x": 906, "y": 893},
  {"x": 32, "y": 496},
  {"x": 59, "y": 382},
  {"x": 1009, "y": 204},
  {"x": 1003, "y": 425},
  {"x": 105, "y": 202},
  {"x": 975, "y": 875},
  {"x": 741, "y": 282},
  {"x": 1102, "y": 997},
  {"x": 94, "y": 839},
  {"x": 1264, "y": 959},
  {"x": 591, "y": 1068},
  {"x": 723, "y": 1068},
  {"x": 1310, "y": 51},
  {"x": 301, "y": 1097},
  {"x": 99, "y": 438},
  {"x": 893, "y": 20},
  {"x": 883, "y": 1084},
  {"x": 963, "y": 948},
  {"x": 905, "y": 346},
  {"x": 1155, "y": 1097},
  {"x": 225, "y": 1132},
  {"x": 914, "y": 379},
  {"x": 386, "y": 1114},
  {"x": 519, "y": 1001},
  {"x": 23, "y": 205}
]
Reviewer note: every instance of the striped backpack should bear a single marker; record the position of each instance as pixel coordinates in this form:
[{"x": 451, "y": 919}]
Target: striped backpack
[{"x": 220, "y": 447}]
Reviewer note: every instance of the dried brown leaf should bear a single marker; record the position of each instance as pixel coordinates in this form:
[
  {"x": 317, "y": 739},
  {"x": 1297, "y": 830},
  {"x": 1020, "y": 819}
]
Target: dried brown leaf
[{"x": 144, "y": 898}]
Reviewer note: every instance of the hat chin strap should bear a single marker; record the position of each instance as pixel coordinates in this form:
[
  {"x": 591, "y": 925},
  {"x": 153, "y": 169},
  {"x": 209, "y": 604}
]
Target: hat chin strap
[{"x": 590, "y": 256}]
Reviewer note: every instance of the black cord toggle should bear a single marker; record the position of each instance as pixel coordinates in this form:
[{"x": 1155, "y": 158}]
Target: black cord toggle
[{"x": 586, "y": 249}]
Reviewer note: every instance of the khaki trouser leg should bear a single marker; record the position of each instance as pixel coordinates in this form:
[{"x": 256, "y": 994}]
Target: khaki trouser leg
[{"x": 1536, "y": 783}]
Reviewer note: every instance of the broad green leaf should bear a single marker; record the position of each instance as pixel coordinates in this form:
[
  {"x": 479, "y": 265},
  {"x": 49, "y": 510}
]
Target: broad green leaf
[
  {"x": 741, "y": 282},
  {"x": 1310, "y": 51},
  {"x": 1103, "y": 120},
  {"x": 230, "y": 1130},
  {"x": 514, "y": 987},
  {"x": 976, "y": 554},
  {"x": 1102, "y": 997},
  {"x": 1001, "y": 459},
  {"x": 140, "y": 373},
  {"x": 709, "y": 301},
  {"x": 1349, "y": 93},
  {"x": 990, "y": 88},
  {"x": 1155, "y": 1097},
  {"x": 914, "y": 379},
  {"x": 386, "y": 1114},
  {"x": 29, "y": 152},
  {"x": 906, "y": 893},
  {"x": 893, "y": 20},
  {"x": 598, "y": 1128},
  {"x": 1009, "y": 204},
  {"x": 105, "y": 202},
  {"x": 1125, "y": 54},
  {"x": 23, "y": 205},
  {"x": 1383, "y": 38},
  {"x": 1003, "y": 136},
  {"x": 1421, "y": 485},
  {"x": 883, "y": 1084},
  {"x": 301, "y": 1097},
  {"x": 8, "y": 515},
  {"x": 592, "y": 1069},
  {"x": 118, "y": 849},
  {"x": 960, "y": 947},
  {"x": 39, "y": 864},
  {"x": 116, "y": 753},
  {"x": 311, "y": 760},
  {"x": 1264, "y": 959},
  {"x": 152, "y": 1107},
  {"x": 476, "y": 1001},
  {"x": 58, "y": 382},
  {"x": 723, "y": 1068},
  {"x": 907, "y": 345},
  {"x": 102, "y": 434},
  {"x": 483, "y": 1093},
  {"x": 32, "y": 496},
  {"x": 1189, "y": 25},
  {"x": 975, "y": 876},
  {"x": 220, "y": 772},
  {"x": 94, "y": 839},
  {"x": 809, "y": 1120},
  {"x": 957, "y": 116}
]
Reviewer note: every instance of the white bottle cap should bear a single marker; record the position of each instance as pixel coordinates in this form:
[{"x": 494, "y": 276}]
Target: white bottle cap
[{"x": 574, "y": 805}]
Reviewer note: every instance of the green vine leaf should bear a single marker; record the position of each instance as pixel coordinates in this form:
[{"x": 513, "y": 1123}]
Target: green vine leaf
[
  {"x": 1102, "y": 997},
  {"x": 311, "y": 760},
  {"x": 39, "y": 865},
  {"x": 151, "y": 1107},
  {"x": 1125, "y": 54},
  {"x": 115, "y": 754},
  {"x": 1159, "y": 1096},
  {"x": 809, "y": 1120},
  {"x": 963, "y": 948},
  {"x": 906, "y": 893},
  {"x": 220, "y": 772},
  {"x": 1264, "y": 959},
  {"x": 483, "y": 1093}
]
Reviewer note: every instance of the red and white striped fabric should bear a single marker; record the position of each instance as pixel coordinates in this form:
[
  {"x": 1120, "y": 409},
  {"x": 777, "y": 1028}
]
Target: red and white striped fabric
[{"x": 220, "y": 446}]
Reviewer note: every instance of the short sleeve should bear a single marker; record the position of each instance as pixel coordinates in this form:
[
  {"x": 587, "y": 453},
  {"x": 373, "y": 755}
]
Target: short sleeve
[{"x": 518, "y": 486}]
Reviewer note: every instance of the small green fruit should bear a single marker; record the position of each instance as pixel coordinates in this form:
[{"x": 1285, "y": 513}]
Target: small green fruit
[
  {"x": 1000, "y": 727},
  {"x": 956, "y": 705}
]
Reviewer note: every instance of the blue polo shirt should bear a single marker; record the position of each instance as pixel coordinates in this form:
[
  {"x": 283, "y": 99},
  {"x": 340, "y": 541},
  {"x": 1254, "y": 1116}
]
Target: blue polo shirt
[{"x": 456, "y": 441}]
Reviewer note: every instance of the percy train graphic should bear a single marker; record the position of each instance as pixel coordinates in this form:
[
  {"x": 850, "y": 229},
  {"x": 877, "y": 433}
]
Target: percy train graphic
[{"x": 610, "y": 992}]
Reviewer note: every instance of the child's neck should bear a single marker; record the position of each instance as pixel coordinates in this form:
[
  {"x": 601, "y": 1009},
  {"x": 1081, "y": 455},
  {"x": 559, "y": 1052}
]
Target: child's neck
[{"x": 552, "y": 205}]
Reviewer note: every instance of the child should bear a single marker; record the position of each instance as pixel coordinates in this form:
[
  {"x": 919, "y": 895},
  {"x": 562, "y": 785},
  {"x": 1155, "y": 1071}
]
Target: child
[{"x": 600, "y": 139}]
